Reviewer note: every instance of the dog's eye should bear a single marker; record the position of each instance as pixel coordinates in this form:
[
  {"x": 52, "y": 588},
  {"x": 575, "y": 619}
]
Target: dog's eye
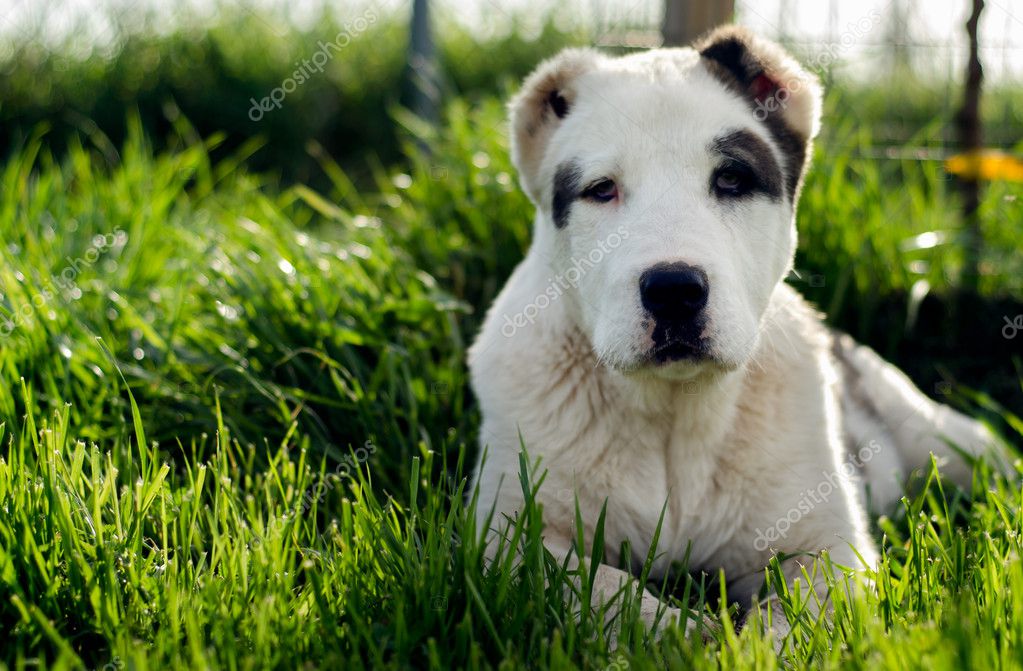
[
  {"x": 602, "y": 191},
  {"x": 734, "y": 180}
]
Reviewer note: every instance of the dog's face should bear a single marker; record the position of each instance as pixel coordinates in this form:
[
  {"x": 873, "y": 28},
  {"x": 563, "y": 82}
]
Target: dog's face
[{"x": 667, "y": 184}]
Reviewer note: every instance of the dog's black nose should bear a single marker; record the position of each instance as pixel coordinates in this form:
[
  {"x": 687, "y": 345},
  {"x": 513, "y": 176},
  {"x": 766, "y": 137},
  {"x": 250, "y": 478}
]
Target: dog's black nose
[{"x": 674, "y": 292}]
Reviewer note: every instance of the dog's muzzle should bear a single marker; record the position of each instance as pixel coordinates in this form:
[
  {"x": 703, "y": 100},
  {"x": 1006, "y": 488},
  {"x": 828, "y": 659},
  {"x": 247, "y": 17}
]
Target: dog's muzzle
[{"x": 675, "y": 296}]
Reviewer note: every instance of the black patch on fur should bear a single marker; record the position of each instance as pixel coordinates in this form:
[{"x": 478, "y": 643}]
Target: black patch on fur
[
  {"x": 793, "y": 148},
  {"x": 734, "y": 65},
  {"x": 730, "y": 53},
  {"x": 558, "y": 104},
  {"x": 567, "y": 180},
  {"x": 746, "y": 147}
]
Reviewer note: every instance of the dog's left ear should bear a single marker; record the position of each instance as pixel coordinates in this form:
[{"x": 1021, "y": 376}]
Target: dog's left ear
[
  {"x": 771, "y": 80},
  {"x": 538, "y": 109}
]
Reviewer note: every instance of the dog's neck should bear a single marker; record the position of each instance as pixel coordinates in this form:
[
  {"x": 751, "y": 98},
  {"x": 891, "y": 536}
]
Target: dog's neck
[{"x": 702, "y": 407}]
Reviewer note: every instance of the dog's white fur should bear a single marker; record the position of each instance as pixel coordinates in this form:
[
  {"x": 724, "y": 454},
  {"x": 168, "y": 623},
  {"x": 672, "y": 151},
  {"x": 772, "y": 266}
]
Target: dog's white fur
[{"x": 731, "y": 444}]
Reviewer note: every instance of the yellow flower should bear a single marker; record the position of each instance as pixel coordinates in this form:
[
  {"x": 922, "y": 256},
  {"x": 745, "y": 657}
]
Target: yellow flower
[{"x": 987, "y": 164}]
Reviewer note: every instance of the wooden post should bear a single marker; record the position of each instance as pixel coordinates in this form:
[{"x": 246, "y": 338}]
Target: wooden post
[
  {"x": 421, "y": 90},
  {"x": 968, "y": 125},
  {"x": 685, "y": 20}
]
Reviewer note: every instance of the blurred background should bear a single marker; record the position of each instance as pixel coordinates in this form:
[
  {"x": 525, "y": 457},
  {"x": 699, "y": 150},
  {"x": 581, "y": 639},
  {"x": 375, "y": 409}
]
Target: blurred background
[
  {"x": 222, "y": 137},
  {"x": 79, "y": 65}
]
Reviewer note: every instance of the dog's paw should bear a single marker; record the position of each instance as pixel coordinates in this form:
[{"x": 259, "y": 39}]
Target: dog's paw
[
  {"x": 695, "y": 624},
  {"x": 779, "y": 631},
  {"x": 777, "y": 628}
]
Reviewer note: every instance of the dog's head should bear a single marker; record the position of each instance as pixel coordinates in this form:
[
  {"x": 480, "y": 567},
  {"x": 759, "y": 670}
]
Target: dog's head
[{"x": 667, "y": 183}]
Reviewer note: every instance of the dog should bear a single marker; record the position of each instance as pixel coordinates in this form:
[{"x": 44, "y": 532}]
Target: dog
[{"x": 648, "y": 351}]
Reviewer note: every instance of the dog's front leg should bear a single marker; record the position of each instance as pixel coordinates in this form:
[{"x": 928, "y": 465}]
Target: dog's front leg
[
  {"x": 612, "y": 587},
  {"x": 816, "y": 584},
  {"x": 608, "y": 581}
]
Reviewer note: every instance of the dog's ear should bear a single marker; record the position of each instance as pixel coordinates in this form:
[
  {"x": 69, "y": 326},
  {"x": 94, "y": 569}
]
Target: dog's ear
[
  {"x": 784, "y": 96},
  {"x": 544, "y": 101},
  {"x": 771, "y": 80}
]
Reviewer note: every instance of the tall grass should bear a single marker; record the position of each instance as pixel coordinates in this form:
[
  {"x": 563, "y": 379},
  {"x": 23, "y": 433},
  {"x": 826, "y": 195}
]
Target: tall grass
[
  {"x": 212, "y": 284},
  {"x": 114, "y": 557}
]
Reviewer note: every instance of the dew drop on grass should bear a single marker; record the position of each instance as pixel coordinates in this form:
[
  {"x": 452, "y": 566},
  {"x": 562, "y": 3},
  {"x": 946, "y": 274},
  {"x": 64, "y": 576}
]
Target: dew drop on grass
[
  {"x": 919, "y": 267},
  {"x": 402, "y": 181},
  {"x": 362, "y": 251},
  {"x": 362, "y": 221},
  {"x": 228, "y": 312},
  {"x": 138, "y": 354},
  {"x": 285, "y": 267},
  {"x": 65, "y": 351},
  {"x": 248, "y": 225}
]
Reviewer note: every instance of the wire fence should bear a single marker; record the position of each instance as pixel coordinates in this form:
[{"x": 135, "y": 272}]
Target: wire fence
[{"x": 922, "y": 42}]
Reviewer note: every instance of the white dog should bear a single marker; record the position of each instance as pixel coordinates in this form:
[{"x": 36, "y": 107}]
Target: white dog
[{"x": 648, "y": 351}]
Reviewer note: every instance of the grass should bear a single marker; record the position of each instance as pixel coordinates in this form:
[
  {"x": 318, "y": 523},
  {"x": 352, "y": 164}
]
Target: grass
[{"x": 237, "y": 430}]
